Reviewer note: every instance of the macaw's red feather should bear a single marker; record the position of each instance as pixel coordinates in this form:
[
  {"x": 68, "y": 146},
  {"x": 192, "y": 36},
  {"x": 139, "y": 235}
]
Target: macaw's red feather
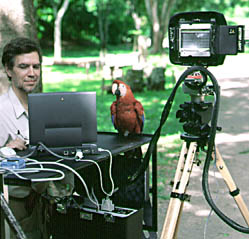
[{"x": 127, "y": 112}]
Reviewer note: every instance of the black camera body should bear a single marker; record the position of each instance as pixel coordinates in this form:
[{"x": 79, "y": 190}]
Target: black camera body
[{"x": 203, "y": 38}]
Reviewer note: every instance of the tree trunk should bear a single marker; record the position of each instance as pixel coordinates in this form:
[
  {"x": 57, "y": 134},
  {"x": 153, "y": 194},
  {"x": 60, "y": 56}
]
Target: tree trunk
[
  {"x": 156, "y": 81},
  {"x": 134, "y": 78},
  {"x": 155, "y": 27},
  {"x": 57, "y": 31},
  {"x": 103, "y": 24},
  {"x": 140, "y": 41},
  {"x": 102, "y": 34},
  {"x": 159, "y": 18},
  {"x": 137, "y": 23},
  {"x": 16, "y": 19}
]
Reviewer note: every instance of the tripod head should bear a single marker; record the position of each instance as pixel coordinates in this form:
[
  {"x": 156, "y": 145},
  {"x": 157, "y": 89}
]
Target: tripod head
[{"x": 197, "y": 113}]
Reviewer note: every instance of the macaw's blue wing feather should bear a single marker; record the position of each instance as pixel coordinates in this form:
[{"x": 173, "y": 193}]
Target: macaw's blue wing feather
[
  {"x": 140, "y": 114},
  {"x": 113, "y": 119},
  {"x": 113, "y": 112},
  {"x": 143, "y": 120}
]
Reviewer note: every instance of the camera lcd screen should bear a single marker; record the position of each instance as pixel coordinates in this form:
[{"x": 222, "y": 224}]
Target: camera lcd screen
[
  {"x": 195, "y": 43},
  {"x": 195, "y": 40}
]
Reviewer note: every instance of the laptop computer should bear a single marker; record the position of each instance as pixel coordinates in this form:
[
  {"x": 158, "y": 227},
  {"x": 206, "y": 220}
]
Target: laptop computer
[{"x": 63, "y": 121}]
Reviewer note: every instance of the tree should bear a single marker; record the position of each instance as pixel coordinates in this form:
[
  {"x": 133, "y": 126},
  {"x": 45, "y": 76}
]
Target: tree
[
  {"x": 57, "y": 30},
  {"x": 160, "y": 11},
  {"x": 159, "y": 14},
  {"x": 16, "y": 19},
  {"x": 113, "y": 20},
  {"x": 103, "y": 10},
  {"x": 50, "y": 16},
  {"x": 110, "y": 22}
]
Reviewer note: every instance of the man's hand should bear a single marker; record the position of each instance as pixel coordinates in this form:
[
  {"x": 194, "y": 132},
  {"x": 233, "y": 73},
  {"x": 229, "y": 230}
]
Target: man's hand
[{"x": 17, "y": 144}]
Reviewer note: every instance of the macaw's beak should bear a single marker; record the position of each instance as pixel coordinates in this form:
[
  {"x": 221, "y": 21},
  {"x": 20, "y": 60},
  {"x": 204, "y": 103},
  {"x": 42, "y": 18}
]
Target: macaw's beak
[{"x": 117, "y": 92}]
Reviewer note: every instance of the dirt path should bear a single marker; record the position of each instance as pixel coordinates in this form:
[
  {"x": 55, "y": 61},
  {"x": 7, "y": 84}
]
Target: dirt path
[{"x": 233, "y": 144}]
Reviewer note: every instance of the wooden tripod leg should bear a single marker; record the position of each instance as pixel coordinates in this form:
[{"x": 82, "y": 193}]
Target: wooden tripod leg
[
  {"x": 234, "y": 191},
  {"x": 183, "y": 154},
  {"x": 177, "y": 179},
  {"x": 182, "y": 175}
]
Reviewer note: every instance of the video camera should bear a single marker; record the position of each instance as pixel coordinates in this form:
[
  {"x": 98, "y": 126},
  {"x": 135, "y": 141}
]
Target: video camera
[{"x": 203, "y": 38}]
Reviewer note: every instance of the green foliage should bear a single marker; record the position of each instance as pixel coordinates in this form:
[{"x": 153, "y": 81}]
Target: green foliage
[
  {"x": 80, "y": 23},
  {"x": 74, "y": 51},
  {"x": 226, "y": 7}
]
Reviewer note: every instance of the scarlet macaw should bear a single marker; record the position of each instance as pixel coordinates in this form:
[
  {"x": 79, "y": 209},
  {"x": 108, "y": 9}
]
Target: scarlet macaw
[{"x": 127, "y": 113}]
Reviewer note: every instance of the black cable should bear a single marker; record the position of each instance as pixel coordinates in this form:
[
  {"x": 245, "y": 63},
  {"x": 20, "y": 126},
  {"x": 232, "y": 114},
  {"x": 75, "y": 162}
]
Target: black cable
[
  {"x": 165, "y": 113},
  {"x": 211, "y": 142},
  {"x": 211, "y": 148},
  {"x": 55, "y": 154},
  {"x": 31, "y": 153}
]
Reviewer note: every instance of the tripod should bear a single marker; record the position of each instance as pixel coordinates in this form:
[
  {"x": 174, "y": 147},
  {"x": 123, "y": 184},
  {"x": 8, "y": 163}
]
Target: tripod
[
  {"x": 188, "y": 157},
  {"x": 196, "y": 116}
]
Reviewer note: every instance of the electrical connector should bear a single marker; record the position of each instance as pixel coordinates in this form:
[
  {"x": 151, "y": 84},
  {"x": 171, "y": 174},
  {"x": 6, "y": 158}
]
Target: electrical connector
[
  {"x": 107, "y": 205},
  {"x": 79, "y": 154}
]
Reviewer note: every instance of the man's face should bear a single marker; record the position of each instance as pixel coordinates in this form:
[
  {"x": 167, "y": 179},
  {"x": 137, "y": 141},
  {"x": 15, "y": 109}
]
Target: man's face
[{"x": 25, "y": 75}]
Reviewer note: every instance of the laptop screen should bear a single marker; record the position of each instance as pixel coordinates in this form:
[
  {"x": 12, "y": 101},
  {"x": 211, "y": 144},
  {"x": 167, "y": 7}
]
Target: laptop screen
[{"x": 62, "y": 119}]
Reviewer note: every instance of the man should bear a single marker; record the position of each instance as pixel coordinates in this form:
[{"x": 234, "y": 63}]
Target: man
[{"x": 22, "y": 60}]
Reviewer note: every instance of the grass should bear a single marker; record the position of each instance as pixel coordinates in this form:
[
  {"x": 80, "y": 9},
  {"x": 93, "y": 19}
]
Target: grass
[{"x": 73, "y": 78}]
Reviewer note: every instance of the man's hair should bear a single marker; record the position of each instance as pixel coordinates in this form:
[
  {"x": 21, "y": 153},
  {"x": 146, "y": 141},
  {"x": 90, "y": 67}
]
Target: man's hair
[{"x": 18, "y": 46}]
